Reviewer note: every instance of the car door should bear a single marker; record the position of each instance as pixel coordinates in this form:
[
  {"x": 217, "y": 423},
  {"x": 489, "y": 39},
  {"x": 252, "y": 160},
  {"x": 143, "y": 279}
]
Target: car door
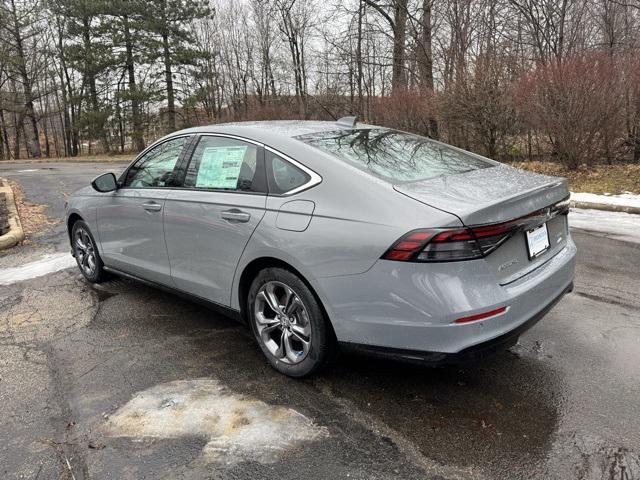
[
  {"x": 130, "y": 219},
  {"x": 209, "y": 221}
]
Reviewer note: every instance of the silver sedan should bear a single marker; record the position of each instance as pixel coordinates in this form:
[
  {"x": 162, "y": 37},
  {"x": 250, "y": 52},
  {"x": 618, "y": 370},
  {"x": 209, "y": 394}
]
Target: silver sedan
[{"x": 323, "y": 235}]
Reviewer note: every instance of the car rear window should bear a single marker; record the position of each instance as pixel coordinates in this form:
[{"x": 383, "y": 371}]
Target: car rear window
[{"x": 394, "y": 155}]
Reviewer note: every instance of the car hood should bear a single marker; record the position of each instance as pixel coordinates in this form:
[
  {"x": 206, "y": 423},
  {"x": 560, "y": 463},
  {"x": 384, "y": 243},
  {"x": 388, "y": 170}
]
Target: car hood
[{"x": 488, "y": 195}]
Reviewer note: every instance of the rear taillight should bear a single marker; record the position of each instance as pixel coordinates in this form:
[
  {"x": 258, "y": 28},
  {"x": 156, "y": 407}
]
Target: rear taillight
[
  {"x": 469, "y": 243},
  {"x": 447, "y": 245}
]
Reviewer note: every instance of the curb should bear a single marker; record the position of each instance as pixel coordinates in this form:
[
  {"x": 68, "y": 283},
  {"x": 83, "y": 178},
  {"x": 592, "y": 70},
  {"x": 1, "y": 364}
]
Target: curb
[
  {"x": 606, "y": 207},
  {"x": 15, "y": 234}
]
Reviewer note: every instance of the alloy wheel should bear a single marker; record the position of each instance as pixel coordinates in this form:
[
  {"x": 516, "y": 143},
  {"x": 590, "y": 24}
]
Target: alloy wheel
[
  {"x": 282, "y": 322},
  {"x": 85, "y": 251}
]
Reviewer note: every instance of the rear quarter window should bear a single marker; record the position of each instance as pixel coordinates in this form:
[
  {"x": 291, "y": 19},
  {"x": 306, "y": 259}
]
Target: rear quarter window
[
  {"x": 393, "y": 155},
  {"x": 284, "y": 177}
]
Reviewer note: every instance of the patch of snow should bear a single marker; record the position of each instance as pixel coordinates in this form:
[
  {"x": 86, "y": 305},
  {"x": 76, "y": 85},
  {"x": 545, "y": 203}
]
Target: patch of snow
[
  {"x": 626, "y": 199},
  {"x": 618, "y": 225},
  {"x": 237, "y": 428},
  {"x": 48, "y": 264}
]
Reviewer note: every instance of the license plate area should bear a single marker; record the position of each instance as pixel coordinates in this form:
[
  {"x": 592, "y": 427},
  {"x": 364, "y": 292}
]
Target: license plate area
[{"x": 537, "y": 241}]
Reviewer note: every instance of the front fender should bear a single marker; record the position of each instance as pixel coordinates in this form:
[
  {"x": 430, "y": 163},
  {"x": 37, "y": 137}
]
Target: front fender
[{"x": 86, "y": 209}]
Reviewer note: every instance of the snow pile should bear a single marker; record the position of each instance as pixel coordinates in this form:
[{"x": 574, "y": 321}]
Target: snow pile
[
  {"x": 47, "y": 264},
  {"x": 626, "y": 199},
  {"x": 617, "y": 225}
]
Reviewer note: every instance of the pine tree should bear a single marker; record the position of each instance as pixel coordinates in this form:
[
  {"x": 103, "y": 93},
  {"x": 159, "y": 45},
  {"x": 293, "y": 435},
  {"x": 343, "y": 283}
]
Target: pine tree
[
  {"x": 170, "y": 22},
  {"x": 89, "y": 51},
  {"x": 126, "y": 21}
]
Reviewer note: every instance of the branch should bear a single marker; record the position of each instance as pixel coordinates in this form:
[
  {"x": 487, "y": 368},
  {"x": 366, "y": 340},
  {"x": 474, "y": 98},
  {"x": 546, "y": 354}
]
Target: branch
[{"x": 374, "y": 4}]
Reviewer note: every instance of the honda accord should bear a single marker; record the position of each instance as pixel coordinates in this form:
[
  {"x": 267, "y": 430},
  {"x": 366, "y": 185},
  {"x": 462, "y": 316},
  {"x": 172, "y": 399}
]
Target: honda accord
[{"x": 321, "y": 235}]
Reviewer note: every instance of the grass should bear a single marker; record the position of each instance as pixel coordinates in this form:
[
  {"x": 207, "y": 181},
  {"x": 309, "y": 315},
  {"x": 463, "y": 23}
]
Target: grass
[{"x": 612, "y": 179}]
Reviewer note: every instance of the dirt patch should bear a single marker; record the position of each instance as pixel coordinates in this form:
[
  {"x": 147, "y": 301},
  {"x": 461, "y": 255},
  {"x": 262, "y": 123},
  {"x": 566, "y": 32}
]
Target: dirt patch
[
  {"x": 32, "y": 215},
  {"x": 614, "y": 179}
]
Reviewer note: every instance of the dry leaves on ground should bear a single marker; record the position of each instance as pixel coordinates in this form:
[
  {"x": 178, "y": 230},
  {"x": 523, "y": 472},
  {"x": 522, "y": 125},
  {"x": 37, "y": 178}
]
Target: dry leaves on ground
[
  {"x": 32, "y": 215},
  {"x": 614, "y": 179}
]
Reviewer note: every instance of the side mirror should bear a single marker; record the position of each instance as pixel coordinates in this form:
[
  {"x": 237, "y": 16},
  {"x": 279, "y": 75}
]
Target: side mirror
[{"x": 105, "y": 183}]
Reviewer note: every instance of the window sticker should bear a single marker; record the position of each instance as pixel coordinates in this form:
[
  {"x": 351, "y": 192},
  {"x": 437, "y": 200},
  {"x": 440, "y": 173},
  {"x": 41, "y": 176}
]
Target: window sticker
[{"x": 220, "y": 167}]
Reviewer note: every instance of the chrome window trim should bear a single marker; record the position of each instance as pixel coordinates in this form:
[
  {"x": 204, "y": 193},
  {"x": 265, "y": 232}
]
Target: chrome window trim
[
  {"x": 234, "y": 137},
  {"x": 314, "y": 179}
]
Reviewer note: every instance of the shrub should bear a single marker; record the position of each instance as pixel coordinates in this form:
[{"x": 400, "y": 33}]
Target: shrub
[{"x": 577, "y": 104}]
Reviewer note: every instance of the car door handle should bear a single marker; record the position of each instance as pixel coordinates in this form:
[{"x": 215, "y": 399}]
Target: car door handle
[
  {"x": 152, "y": 206},
  {"x": 236, "y": 215}
]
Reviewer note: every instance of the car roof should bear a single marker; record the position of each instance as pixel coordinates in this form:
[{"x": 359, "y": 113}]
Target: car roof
[{"x": 268, "y": 129}]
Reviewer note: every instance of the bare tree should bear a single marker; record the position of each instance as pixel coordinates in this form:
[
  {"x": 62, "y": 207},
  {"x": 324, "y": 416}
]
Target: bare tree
[{"x": 20, "y": 28}]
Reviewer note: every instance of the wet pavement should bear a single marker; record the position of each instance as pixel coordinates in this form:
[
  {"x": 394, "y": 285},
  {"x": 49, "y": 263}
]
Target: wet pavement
[{"x": 124, "y": 381}]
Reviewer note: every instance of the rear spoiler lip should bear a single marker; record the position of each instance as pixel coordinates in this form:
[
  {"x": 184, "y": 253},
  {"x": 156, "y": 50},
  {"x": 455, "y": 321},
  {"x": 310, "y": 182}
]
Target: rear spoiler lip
[{"x": 543, "y": 214}]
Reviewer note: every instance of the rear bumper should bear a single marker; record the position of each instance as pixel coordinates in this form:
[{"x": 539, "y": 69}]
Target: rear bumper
[
  {"x": 469, "y": 354},
  {"x": 409, "y": 307}
]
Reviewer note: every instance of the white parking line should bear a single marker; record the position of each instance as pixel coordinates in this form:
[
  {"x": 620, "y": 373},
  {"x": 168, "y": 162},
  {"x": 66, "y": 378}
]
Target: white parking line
[{"x": 48, "y": 264}]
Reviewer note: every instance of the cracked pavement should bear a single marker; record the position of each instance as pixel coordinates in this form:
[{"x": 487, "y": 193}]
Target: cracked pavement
[{"x": 124, "y": 381}]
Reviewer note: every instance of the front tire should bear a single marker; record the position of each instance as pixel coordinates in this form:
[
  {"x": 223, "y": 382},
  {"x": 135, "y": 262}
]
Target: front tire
[
  {"x": 289, "y": 324},
  {"x": 86, "y": 253}
]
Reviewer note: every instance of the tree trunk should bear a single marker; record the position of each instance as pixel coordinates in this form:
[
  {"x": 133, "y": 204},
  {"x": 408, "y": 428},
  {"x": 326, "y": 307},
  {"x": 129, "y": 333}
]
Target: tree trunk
[
  {"x": 70, "y": 127},
  {"x": 168, "y": 76},
  {"x": 2, "y": 131},
  {"x": 17, "y": 124},
  {"x": 45, "y": 131},
  {"x": 425, "y": 63},
  {"x": 636, "y": 142},
  {"x": 398, "y": 77},
  {"x": 32, "y": 138},
  {"x": 4, "y": 136},
  {"x": 359, "y": 58},
  {"x": 136, "y": 134},
  {"x": 90, "y": 79}
]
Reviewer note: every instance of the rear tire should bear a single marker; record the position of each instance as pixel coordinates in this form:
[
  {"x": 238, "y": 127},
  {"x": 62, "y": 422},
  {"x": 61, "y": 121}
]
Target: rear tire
[
  {"x": 289, "y": 324},
  {"x": 86, "y": 253}
]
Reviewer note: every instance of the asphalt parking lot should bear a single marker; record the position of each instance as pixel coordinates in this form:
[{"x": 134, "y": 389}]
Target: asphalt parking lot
[{"x": 123, "y": 381}]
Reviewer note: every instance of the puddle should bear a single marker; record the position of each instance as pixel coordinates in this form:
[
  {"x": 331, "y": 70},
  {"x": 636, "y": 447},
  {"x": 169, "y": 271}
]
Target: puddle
[
  {"x": 237, "y": 428},
  {"x": 47, "y": 264}
]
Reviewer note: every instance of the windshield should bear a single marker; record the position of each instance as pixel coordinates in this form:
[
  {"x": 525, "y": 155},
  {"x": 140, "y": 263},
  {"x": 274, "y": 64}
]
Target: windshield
[{"x": 394, "y": 155}]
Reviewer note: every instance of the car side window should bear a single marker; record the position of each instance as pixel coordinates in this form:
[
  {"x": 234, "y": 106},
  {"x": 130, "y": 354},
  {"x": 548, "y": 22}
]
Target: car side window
[
  {"x": 282, "y": 175},
  {"x": 222, "y": 163},
  {"x": 155, "y": 168}
]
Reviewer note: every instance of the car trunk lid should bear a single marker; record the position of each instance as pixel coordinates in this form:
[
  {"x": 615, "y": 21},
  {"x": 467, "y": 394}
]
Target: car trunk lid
[
  {"x": 488, "y": 195},
  {"x": 495, "y": 195}
]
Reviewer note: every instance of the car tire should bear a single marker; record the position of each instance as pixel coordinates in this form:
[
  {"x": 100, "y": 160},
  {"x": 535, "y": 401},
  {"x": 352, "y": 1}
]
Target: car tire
[
  {"x": 86, "y": 253},
  {"x": 283, "y": 313}
]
